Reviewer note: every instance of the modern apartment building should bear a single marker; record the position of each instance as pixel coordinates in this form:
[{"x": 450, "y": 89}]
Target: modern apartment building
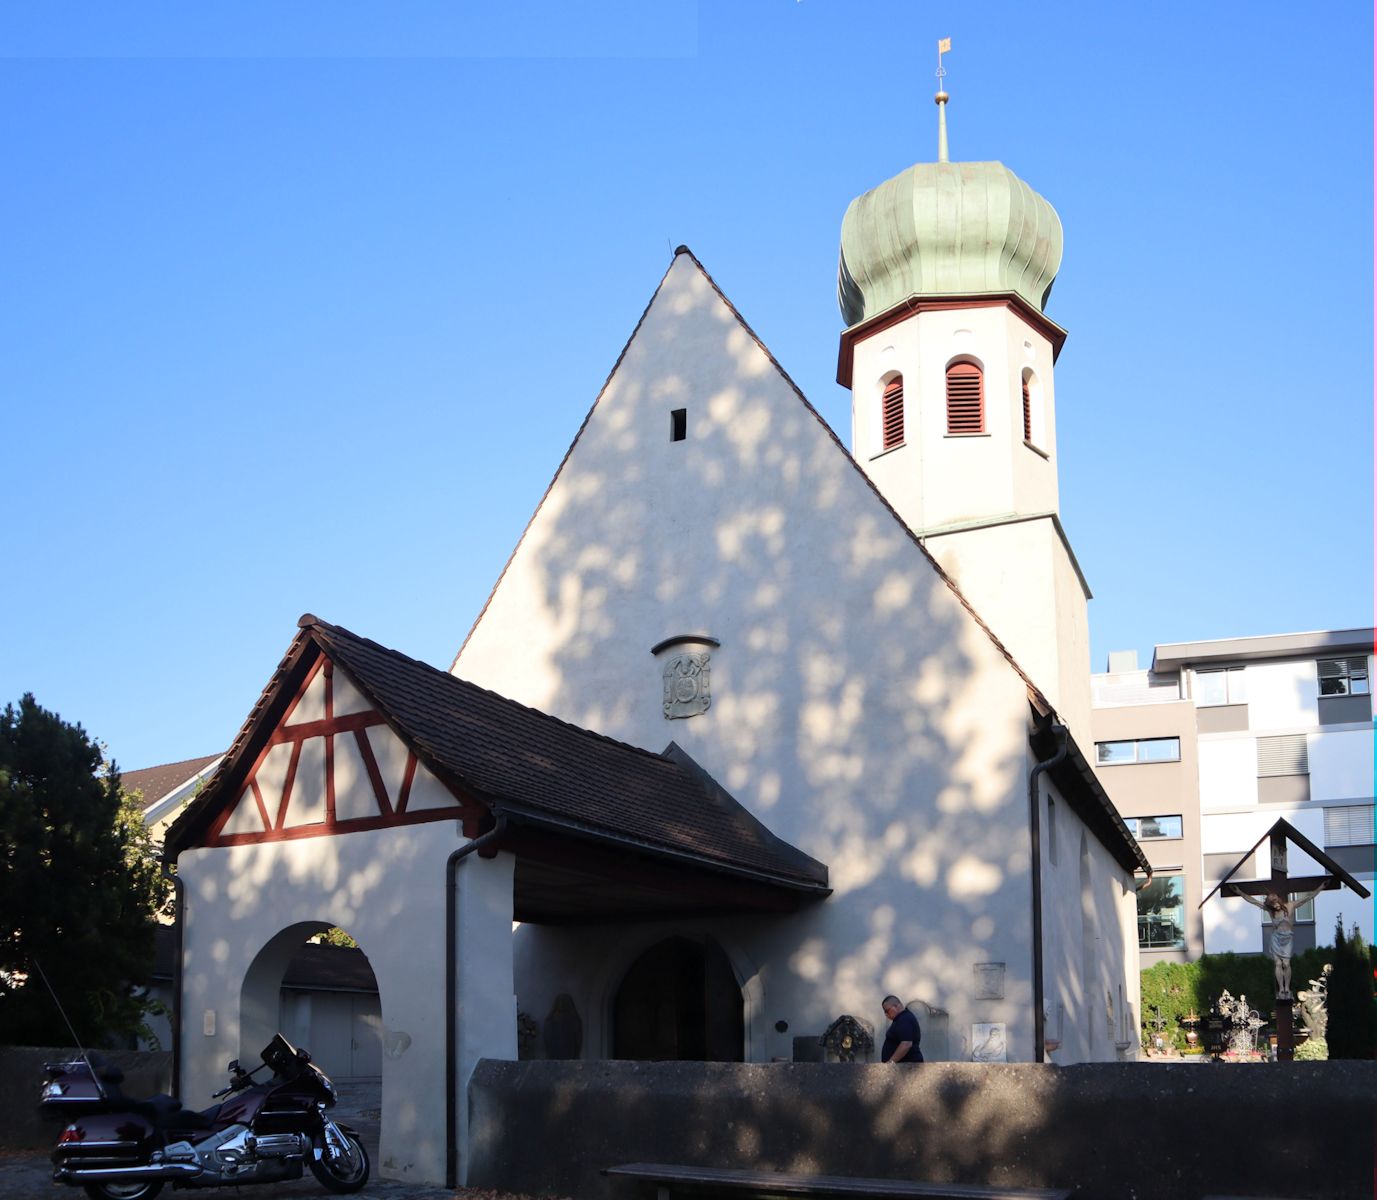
[{"x": 1203, "y": 751}]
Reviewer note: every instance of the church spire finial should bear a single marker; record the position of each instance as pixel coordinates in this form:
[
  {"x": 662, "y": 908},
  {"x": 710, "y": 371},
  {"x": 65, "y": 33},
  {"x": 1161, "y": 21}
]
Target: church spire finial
[{"x": 943, "y": 47}]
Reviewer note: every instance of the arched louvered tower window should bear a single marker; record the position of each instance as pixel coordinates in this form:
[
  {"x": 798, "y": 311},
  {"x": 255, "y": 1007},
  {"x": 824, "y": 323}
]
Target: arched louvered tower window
[
  {"x": 892, "y": 413},
  {"x": 965, "y": 398},
  {"x": 1027, "y": 411}
]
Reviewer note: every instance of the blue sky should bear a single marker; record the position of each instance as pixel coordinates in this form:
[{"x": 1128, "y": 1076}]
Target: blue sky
[{"x": 303, "y": 303}]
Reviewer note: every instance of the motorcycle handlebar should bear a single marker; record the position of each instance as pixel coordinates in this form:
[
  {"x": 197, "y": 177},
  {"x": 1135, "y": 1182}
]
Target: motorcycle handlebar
[{"x": 239, "y": 1079}]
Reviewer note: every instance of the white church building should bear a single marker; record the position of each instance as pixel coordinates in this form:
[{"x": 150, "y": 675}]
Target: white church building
[{"x": 752, "y": 730}]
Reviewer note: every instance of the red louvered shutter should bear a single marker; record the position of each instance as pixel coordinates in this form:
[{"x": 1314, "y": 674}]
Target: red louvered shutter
[
  {"x": 1027, "y": 412},
  {"x": 965, "y": 399},
  {"x": 892, "y": 413}
]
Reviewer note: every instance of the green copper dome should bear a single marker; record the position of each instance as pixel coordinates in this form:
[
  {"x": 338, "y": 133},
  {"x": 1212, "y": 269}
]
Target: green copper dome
[{"x": 946, "y": 229}]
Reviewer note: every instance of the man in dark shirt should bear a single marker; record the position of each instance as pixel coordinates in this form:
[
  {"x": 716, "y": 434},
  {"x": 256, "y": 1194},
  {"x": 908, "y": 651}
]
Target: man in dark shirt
[{"x": 904, "y": 1036}]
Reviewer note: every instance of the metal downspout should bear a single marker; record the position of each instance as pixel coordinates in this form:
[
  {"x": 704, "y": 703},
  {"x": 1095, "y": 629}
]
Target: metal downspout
[
  {"x": 452, "y": 865},
  {"x": 178, "y": 923},
  {"x": 1035, "y": 829}
]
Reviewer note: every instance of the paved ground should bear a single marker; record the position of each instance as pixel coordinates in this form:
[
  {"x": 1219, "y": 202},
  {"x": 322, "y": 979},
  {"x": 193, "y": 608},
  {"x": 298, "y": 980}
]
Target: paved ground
[{"x": 26, "y": 1176}]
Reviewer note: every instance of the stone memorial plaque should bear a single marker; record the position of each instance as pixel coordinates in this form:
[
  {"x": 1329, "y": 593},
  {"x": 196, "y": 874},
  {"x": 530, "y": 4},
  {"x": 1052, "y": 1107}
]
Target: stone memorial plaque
[
  {"x": 989, "y": 981},
  {"x": 988, "y": 1042}
]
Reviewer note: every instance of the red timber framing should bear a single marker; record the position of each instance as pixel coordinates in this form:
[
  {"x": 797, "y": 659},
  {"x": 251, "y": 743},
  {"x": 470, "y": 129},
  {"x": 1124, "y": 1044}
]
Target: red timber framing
[{"x": 274, "y": 810}]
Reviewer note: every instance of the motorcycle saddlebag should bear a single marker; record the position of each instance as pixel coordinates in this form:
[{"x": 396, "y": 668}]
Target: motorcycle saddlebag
[{"x": 104, "y": 1139}]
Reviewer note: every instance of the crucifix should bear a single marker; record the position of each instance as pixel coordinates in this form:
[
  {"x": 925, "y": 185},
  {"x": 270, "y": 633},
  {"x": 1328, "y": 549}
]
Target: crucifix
[{"x": 1282, "y": 895}]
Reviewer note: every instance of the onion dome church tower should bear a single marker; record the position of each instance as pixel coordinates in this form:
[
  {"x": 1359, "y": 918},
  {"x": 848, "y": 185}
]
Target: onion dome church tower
[{"x": 945, "y": 271}]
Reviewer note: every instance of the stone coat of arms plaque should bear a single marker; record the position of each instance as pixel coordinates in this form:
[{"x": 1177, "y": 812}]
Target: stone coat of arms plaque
[{"x": 687, "y": 690}]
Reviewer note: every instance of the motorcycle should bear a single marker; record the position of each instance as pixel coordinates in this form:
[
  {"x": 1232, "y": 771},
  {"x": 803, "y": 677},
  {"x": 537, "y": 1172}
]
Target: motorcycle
[{"x": 122, "y": 1148}]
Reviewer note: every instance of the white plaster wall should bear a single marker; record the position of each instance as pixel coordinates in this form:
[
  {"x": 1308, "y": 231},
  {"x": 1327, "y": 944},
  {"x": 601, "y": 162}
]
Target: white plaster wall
[
  {"x": 857, "y": 709},
  {"x": 1282, "y": 695},
  {"x": 1020, "y": 580},
  {"x": 387, "y": 889},
  {"x": 1076, "y": 1002},
  {"x": 1228, "y": 772},
  {"x": 1341, "y": 765},
  {"x": 935, "y": 479}
]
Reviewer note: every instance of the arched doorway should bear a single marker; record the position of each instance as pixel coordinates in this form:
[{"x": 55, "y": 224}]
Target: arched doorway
[
  {"x": 679, "y": 1001},
  {"x": 318, "y": 989}
]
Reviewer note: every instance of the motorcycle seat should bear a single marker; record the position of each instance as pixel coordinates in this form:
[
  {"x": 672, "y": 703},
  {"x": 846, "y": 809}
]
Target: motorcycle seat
[
  {"x": 177, "y": 1117},
  {"x": 156, "y": 1108}
]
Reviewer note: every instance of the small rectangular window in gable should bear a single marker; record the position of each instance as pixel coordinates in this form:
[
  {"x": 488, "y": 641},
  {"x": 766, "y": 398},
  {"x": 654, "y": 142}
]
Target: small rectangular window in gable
[{"x": 892, "y": 413}]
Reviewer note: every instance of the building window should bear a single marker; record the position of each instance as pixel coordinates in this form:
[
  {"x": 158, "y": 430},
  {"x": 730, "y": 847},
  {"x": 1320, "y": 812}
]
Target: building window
[
  {"x": 678, "y": 424},
  {"x": 1284, "y": 755},
  {"x": 1162, "y": 914},
  {"x": 1224, "y": 686},
  {"x": 1147, "y": 829},
  {"x": 1349, "y": 825},
  {"x": 1343, "y": 676},
  {"x": 892, "y": 413},
  {"x": 1141, "y": 750},
  {"x": 965, "y": 399},
  {"x": 1027, "y": 412}
]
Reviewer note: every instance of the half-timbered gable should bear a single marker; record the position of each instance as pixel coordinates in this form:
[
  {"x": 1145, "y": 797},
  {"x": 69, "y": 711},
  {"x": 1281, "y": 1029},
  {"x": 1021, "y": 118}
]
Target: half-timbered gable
[{"x": 331, "y": 765}]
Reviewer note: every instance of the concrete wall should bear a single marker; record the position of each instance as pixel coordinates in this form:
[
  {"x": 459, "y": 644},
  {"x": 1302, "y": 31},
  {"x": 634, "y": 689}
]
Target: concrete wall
[
  {"x": 1019, "y": 577},
  {"x": 1111, "y": 1132},
  {"x": 857, "y": 709},
  {"x": 146, "y": 1072}
]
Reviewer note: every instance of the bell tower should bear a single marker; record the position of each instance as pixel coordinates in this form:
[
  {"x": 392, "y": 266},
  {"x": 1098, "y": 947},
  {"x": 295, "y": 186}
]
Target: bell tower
[{"x": 944, "y": 274}]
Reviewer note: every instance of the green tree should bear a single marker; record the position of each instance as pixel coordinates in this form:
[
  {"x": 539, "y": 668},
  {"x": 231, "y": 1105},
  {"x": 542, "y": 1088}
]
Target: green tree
[
  {"x": 1352, "y": 1029},
  {"x": 78, "y": 886}
]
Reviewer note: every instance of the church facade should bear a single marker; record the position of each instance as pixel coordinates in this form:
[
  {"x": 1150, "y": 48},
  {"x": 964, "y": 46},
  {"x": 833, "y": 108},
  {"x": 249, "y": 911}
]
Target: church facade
[{"x": 751, "y": 731}]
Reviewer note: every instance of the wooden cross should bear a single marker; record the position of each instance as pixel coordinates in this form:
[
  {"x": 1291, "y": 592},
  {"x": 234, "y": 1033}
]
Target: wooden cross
[{"x": 1280, "y": 883}]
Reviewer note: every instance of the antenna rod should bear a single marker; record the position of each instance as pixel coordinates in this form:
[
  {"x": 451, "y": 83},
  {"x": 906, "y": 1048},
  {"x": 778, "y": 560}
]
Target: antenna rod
[
  {"x": 943, "y": 47},
  {"x": 76, "y": 1041}
]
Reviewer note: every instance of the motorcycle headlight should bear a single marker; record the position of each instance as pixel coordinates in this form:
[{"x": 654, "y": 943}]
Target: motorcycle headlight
[{"x": 330, "y": 1089}]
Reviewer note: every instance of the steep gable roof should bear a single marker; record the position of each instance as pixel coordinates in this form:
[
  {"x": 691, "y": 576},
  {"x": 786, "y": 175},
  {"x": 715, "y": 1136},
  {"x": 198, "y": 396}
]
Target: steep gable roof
[
  {"x": 1081, "y": 787},
  {"x": 1039, "y": 700},
  {"x": 522, "y": 763}
]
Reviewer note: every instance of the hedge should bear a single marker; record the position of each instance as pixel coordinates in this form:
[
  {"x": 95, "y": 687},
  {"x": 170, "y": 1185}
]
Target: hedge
[{"x": 1181, "y": 988}]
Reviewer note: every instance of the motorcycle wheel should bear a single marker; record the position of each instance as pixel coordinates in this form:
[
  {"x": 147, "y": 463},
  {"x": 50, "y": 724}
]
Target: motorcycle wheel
[
  {"x": 343, "y": 1174},
  {"x": 144, "y": 1189}
]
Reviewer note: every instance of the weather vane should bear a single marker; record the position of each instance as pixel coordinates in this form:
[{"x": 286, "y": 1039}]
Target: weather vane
[{"x": 943, "y": 47}]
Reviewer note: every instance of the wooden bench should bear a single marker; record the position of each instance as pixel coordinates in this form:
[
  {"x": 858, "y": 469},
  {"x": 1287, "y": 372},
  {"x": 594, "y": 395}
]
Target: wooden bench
[{"x": 668, "y": 1177}]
